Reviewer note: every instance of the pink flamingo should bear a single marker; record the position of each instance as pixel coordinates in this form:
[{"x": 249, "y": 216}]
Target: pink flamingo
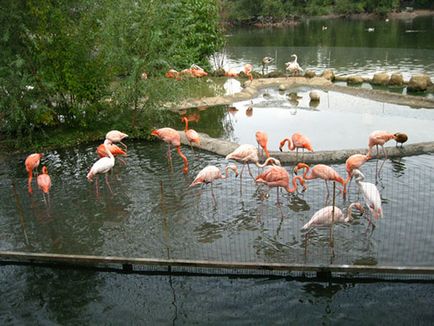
[
  {"x": 32, "y": 163},
  {"x": 331, "y": 214},
  {"x": 379, "y": 138},
  {"x": 103, "y": 165},
  {"x": 320, "y": 171},
  {"x": 354, "y": 162},
  {"x": 191, "y": 134},
  {"x": 296, "y": 141},
  {"x": 171, "y": 137},
  {"x": 44, "y": 183},
  {"x": 262, "y": 140},
  {"x": 211, "y": 173},
  {"x": 247, "y": 153},
  {"x": 115, "y": 136},
  {"x": 277, "y": 176}
]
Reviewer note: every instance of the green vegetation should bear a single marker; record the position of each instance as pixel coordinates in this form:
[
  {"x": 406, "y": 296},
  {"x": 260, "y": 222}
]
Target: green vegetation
[
  {"x": 75, "y": 66},
  {"x": 276, "y": 11}
]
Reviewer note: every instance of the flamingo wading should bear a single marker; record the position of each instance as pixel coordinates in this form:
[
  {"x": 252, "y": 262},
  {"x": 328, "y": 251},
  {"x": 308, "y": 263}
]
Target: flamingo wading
[
  {"x": 102, "y": 166},
  {"x": 191, "y": 134},
  {"x": 32, "y": 163}
]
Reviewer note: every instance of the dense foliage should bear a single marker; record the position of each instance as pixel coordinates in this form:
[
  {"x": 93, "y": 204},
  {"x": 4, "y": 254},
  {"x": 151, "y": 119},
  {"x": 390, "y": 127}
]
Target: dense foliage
[
  {"x": 271, "y": 11},
  {"x": 77, "y": 64}
]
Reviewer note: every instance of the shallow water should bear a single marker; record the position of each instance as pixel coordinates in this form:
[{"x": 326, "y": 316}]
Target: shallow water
[{"x": 154, "y": 214}]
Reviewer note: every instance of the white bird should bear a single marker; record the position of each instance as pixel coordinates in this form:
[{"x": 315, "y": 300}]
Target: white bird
[
  {"x": 371, "y": 195},
  {"x": 103, "y": 165},
  {"x": 116, "y": 136},
  {"x": 293, "y": 67},
  {"x": 265, "y": 62},
  {"x": 371, "y": 29},
  {"x": 324, "y": 216}
]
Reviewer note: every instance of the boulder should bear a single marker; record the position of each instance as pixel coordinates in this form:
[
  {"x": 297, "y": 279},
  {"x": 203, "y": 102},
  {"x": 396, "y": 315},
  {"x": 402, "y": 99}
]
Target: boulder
[
  {"x": 328, "y": 74},
  {"x": 354, "y": 80},
  {"x": 282, "y": 87},
  {"x": 396, "y": 79},
  {"x": 309, "y": 74},
  {"x": 419, "y": 83},
  {"x": 380, "y": 78}
]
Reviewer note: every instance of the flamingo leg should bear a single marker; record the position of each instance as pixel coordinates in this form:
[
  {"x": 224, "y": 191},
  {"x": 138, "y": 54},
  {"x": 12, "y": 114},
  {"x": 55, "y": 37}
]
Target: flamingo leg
[
  {"x": 108, "y": 184},
  {"x": 250, "y": 172},
  {"x": 96, "y": 187},
  {"x": 213, "y": 197}
]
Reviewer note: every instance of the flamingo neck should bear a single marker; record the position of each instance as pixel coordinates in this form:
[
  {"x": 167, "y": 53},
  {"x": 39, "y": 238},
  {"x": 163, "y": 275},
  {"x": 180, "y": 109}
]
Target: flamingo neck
[
  {"x": 107, "y": 149},
  {"x": 348, "y": 216},
  {"x": 227, "y": 171},
  {"x": 265, "y": 163},
  {"x": 184, "y": 158},
  {"x": 290, "y": 143},
  {"x": 306, "y": 171},
  {"x": 186, "y": 124},
  {"x": 294, "y": 184}
]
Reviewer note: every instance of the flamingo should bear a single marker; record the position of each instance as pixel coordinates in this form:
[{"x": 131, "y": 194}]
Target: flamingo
[
  {"x": 379, "y": 138},
  {"x": 293, "y": 67},
  {"x": 103, "y": 165},
  {"x": 277, "y": 176},
  {"x": 331, "y": 214},
  {"x": 320, "y": 171},
  {"x": 401, "y": 138},
  {"x": 114, "y": 149},
  {"x": 262, "y": 140},
  {"x": 231, "y": 73},
  {"x": 211, "y": 173},
  {"x": 171, "y": 137},
  {"x": 295, "y": 142},
  {"x": 191, "y": 134},
  {"x": 32, "y": 162},
  {"x": 115, "y": 136},
  {"x": 265, "y": 62},
  {"x": 44, "y": 182},
  {"x": 247, "y": 153},
  {"x": 248, "y": 71},
  {"x": 371, "y": 195},
  {"x": 354, "y": 162}
]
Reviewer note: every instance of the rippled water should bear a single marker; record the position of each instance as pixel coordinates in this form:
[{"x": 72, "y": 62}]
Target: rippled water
[{"x": 154, "y": 214}]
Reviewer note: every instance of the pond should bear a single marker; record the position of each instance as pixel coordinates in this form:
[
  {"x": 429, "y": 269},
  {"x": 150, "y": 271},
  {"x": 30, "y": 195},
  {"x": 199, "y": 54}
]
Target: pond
[{"x": 346, "y": 46}]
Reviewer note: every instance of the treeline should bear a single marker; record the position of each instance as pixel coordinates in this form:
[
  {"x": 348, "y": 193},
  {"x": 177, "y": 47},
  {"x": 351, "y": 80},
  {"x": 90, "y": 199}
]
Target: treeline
[
  {"x": 266, "y": 11},
  {"x": 79, "y": 64}
]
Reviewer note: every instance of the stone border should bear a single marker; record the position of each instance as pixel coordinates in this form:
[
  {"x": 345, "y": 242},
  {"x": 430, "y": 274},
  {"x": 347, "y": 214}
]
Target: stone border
[
  {"x": 252, "y": 89},
  {"x": 223, "y": 148}
]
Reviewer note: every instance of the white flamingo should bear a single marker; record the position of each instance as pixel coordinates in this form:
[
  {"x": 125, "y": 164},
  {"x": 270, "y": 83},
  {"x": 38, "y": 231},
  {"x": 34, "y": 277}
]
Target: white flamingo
[
  {"x": 371, "y": 195},
  {"x": 103, "y": 165},
  {"x": 265, "y": 62},
  {"x": 324, "y": 216},
  {"x": 293, "y": 67},
  {"x": 116, "y": 136}
]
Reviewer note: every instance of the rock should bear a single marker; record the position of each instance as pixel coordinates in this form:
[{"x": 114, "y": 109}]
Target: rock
[
  {"x": 219, "y": 72},
  {"x": 396, "y": 79},
  {"x": 419, "y": 83},
  {"x": 328, "y": 74},
  {"x": 309, "y": 74},
  {"x": 354, "y": 80},
  {"x": 314, "y": 96},
  {"x": 282, "y": 87},
  {"x": 380, "y": 78}
]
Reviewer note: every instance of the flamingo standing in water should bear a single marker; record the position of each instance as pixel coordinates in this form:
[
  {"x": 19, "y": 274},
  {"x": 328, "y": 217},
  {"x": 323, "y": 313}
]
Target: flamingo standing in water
[
  {"x": 320, "y": 171},
  {"x": 116, "y": 136},
  {"x": 211, "y": 173},
  {"x": 296, "y": 141},
  {"x": 171, "y": 137},
  {"x": 103, "y": 165},
  {"x": 262, "y": 140},
  {"x": 277, "y": 176},
  {"x": 331, "y": 214},
  {"x": 44, "y": 183},
  {"x": 32, "y": 163},
  {"x": 379, "y": 138},
  {"x": 370, "y": 194},
  {"x": 293, "y": 67},
  {"x": 354, "y": 162},
  {"x": 191, "y": 134}
]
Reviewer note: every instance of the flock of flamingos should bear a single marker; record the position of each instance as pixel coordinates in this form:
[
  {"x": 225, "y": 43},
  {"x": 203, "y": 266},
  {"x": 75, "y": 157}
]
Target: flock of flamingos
[{"x": 274, "y": 174}]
